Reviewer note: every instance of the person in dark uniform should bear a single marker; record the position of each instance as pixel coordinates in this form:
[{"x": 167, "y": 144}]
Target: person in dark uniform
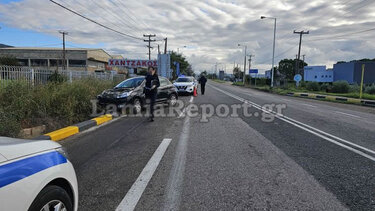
[
  {"x": 151, "y": 89},
  {"x": 202, "y": 81}
]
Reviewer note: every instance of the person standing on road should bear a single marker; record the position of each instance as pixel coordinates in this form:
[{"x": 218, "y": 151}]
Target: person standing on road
[
  {"x": 202, "y": 81},
  {"x": 151, "y": 89}
]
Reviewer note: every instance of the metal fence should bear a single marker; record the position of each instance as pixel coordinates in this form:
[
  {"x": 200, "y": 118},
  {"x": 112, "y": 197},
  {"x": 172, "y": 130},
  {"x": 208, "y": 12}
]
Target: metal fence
[{"x": 34, "y": 76}]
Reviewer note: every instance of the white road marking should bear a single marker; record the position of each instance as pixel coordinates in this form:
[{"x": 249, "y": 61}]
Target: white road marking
[
  {"x": 308, "y": 105},
  {"x": 347, "y": 114},
  {"x": 191, "y": 99},
  {"x": 182, "y": 114},
  {"x": 176, "y": 177},
  {"x": 131, "y": 199},
  {"x": 310, "y": 129}
]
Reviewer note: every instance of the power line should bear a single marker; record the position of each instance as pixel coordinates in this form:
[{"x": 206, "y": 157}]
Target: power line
[
  {"x": 279, "y": 55},
  {"x": 341, "y": 35},
  {"x": 116, "y": 16},
  {"x": 121, "y": 7},
  {"x": 130, "y": 12},
  {"x": 93, "y": 21}
]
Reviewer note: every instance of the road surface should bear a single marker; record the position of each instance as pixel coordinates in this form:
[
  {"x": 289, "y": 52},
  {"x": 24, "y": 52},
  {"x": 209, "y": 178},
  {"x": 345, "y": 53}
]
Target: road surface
[{"x": 313, "y": 156}]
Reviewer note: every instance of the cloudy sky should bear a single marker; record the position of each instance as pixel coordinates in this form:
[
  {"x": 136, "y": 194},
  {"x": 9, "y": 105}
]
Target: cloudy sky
[{"x": 210, "y": 29}]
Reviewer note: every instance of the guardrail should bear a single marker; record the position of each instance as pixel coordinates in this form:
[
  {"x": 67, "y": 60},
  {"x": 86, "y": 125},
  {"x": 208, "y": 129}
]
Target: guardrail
[{"x": 36, "y": 76}]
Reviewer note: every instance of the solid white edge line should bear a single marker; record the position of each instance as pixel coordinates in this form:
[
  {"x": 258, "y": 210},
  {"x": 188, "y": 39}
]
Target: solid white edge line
[
  {"x": 295, "y": 123},
  {"x": 129, "y": 202}
]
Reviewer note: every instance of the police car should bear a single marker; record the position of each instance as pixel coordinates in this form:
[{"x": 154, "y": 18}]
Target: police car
[
  {"x": 36, "y": 175},
  {"x": 185, "y": 84}
]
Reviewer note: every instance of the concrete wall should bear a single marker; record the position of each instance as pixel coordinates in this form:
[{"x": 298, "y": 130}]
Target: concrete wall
[
  {"x": 318, "y": 74},
  {"x": 344, "y": 72}
]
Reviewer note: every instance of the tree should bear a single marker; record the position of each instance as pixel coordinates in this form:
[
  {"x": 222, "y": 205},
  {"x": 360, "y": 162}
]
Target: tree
[
  {"x": 185, "y": 67},
  {"x": 237, "y": 73},
  {"x": 287, "y": 68},
  {"x": 204, "y": 73},
  {"x": 9, "y": 61}
]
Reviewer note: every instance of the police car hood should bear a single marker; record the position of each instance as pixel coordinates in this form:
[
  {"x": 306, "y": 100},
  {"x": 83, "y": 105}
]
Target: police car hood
[
  {"x": 183, "y": 83},
  {"x": 11, "y": 148}
]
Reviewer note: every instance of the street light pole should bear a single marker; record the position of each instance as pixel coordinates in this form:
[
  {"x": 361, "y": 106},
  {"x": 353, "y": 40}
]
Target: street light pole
[{"x": 273, "y": 52}]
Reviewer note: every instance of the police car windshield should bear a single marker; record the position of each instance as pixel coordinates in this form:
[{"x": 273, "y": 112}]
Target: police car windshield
[
  {"x": 130, "y": 83},
  {"x": 184, "y": 80}
]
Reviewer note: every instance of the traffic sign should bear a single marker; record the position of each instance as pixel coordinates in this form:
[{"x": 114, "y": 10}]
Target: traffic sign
[
  {"x": 253, "y": 71},
  {"x": 298, "y": 78}
]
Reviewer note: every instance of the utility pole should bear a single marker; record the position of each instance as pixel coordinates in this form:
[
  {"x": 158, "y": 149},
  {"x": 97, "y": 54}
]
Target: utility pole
[
  {"x": 301, "y": 33},
  {"x": 158, "y": 49},
  {"x": 250, "y": 57},
  {"x": 64, "y": 53},
  {"x": 149, "y": 43},
  {"x": 165, "y": 47},
  {"x": 303, "y": 56}
]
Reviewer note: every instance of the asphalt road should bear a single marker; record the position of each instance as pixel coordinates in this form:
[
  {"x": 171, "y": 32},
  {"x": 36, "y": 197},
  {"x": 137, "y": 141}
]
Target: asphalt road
[{"x": 313, "y": 156}]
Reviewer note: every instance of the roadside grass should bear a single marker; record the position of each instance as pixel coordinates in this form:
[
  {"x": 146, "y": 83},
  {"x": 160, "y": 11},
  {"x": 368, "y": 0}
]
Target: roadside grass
[
  {"x": 218, "y": 81},
  {"x": 284, "y": 91},
  {"x": 238, "y": 83},
  {"x": 55, "y": 105}
]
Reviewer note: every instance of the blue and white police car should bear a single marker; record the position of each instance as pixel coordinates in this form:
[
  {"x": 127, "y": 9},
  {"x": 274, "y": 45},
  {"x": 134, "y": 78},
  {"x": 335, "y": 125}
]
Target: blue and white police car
[
  {"x": 185, "y": 84},
  {"x": 36, "y": 175}
]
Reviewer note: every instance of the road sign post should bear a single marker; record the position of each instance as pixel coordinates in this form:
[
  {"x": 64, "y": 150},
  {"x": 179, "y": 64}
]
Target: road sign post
[{"x": 297, "y": 79}]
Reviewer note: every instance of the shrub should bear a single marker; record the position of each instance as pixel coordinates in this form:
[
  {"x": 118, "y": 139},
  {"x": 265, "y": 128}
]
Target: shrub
[
  {"x": 354, "y": 88},
  {"x": 9, "y": 124},
  {"x": 53, "y": 104},
  {"x": 313, "y": 86},
  {"x": 57, "y": 78},
  {"x": 340, "y": 87},
  {"x": 326, "y": 87},
  {"x": 370, "y": 89}
]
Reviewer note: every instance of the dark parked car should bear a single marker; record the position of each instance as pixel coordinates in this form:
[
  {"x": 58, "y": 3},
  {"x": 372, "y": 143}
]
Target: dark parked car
[{"x": 130, "y": 92}]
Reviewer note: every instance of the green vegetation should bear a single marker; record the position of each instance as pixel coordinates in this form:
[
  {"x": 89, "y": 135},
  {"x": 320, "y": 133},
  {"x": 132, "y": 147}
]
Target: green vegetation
[
  {"x": 55, "y": 105},
  {"x": 370, "y": 89},
  {"x": 185, "y": 67},
  {"x": 339, "y": 88},
  {"x": 219, "y": 81},
  {"x": 9, "y": 61}
]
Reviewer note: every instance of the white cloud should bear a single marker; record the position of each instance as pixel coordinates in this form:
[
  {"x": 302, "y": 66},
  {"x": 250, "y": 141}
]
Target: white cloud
[{"x": 211, "y": 29}]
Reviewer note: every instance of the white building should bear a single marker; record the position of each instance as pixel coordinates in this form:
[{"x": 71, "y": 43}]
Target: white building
[{"x": 318, "y": 74}]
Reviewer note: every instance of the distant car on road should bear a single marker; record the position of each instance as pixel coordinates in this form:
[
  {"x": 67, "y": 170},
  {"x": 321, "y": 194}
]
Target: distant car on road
[
  {"x": 36, "y": 175},
  {"x": 131, "y": 92},
  {"x": 186, "y": 84}
]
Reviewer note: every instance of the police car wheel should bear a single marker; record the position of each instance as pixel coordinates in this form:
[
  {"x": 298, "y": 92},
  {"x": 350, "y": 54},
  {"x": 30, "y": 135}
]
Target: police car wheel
[{"x": 52, "y": 198}]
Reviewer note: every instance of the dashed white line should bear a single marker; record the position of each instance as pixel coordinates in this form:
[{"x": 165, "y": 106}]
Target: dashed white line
[
  {"x": 134, "y": 194},
  {"x": 191, "y": 99},
  {"x": 351, "y": 115},
  {"x": 308, "y": 105},
  {"x": 182, "y": 114}
]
